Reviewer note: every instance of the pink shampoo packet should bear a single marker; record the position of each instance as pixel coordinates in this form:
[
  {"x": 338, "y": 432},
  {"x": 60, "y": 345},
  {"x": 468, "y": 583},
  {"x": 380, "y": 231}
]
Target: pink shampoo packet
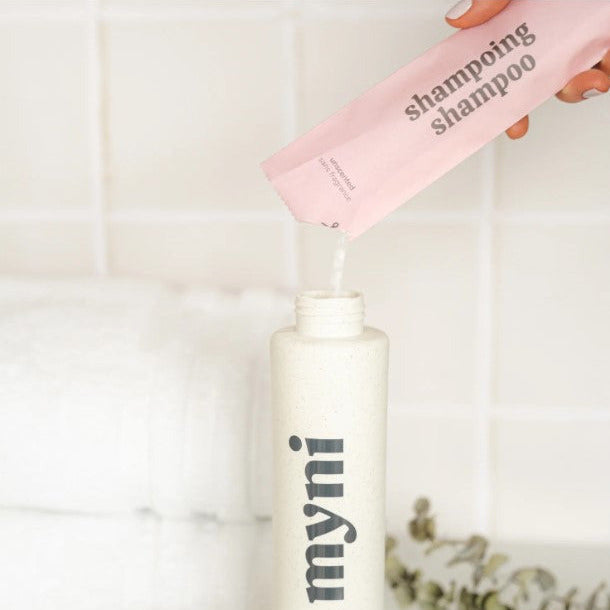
[{"x": 406, "y": 132}]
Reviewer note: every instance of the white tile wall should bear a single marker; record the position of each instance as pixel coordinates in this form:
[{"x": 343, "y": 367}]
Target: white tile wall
[
  {"x": 46, "y": 247},
  {"x": 229, "y": 254},
  {"x": 14, "y": 6},
  {"x": 131, "y": 133},
  {"x": 563, "y": 164},
  {"x": 43, "y": 115},
  {"x": 404, "y": 269},
  {"x": 552, "y": 477},
  {"x": 432, "y": 456},
  {"x": 553, "y": 308},
  {"x": 190, "y": 116}
]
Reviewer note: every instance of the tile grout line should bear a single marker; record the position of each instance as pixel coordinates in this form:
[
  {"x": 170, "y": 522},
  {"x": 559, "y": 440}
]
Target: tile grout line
[
  {"x": 506, "y": 412},
  {"x": 58, "y": 215},
  {"x": 291, "y": 108},
  {"x": 567, "y": 414},
  {"x": 552, "y": 218},
  {"x": 484, "y": 343},
  {"x": 411, "y": 217},
  {"x": 190, "y": 14},
  {"x": 57, "y": 14},
  {"x": 96, "y": 139},
  {"x": 152, "y": 216},
  {"x": 206, "y": 13}
]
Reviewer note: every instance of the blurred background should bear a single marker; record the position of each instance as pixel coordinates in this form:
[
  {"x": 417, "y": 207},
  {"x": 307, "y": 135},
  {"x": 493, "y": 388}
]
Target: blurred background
[{"x": 144, "y": 262}]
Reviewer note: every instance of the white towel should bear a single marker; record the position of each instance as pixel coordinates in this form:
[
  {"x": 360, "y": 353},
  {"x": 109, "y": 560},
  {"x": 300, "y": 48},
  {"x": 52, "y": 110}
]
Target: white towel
[
  {"x": 74, "y": 562},
  {"x": 74, "y": 384},
  {"x": 236, "y": 334},
  {"x": 203, "y": 566},
  {"x": 50, "y": 561},
  {"x": 119, "y": 395}
]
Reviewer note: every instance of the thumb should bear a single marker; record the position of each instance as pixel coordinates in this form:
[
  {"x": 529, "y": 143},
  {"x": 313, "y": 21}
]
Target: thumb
[{"x": 468, "y": 13}]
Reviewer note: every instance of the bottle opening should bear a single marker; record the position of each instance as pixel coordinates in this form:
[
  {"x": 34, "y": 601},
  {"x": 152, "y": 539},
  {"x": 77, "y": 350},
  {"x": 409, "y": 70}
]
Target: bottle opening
[{"x": 324, "y": 313}]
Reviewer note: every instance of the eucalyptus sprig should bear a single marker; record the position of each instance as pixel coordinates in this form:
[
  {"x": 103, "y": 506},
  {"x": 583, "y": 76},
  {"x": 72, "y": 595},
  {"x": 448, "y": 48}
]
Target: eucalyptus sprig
[{"x": 532, "y": 587}]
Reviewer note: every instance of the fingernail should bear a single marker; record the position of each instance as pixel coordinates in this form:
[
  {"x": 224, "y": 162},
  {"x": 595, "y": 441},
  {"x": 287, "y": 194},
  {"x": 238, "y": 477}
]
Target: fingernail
[
  {"x": 461, "y": 8},
  {"x": 591, "y": 93}
]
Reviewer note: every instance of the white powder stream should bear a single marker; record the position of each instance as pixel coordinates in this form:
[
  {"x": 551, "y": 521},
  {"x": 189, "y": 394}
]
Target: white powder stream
[{"x": 336, "y": 278}]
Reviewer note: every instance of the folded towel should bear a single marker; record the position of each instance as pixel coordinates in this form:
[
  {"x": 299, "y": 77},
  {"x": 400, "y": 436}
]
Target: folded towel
[
  {"x": 118, "y": 395},
  {"x": 51, "y": 561},
  {"x": 199, "y": 566},
  {"x": 218, "y": 345},
  {"x": 74, "y": 394}
]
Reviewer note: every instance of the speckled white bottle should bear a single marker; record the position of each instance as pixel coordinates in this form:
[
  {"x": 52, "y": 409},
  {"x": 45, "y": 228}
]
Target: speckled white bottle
[{"x": 329, "y": 393}]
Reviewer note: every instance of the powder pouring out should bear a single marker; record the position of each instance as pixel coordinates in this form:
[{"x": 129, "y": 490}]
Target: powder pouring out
[{"x": 336, "y": 279}]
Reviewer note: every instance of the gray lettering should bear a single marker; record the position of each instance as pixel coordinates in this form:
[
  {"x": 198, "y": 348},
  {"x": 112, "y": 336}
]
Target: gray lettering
[
  {"x": 480, "y": 96},
  {"x": 528, "y": 63},
  {"x": 323, "y": 490},
  {"x": 324, "y": 445},
  {"x": 475, "y": 68},
  {"x": 328, "y": 525},
  {"x": 323, "y": 572},
  {"x": 509, "y": 43},
  {"x": 501, "y": 83},
  {"x": 457, "y": 81}
]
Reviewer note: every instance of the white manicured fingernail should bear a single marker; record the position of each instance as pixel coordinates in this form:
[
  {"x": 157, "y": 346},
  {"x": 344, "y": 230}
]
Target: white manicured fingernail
[
  {"x": 461, "y": 8},
  {"x": 591, "y": 93}
]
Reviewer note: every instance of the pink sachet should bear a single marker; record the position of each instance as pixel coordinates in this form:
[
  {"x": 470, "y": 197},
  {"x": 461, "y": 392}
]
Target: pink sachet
[{"x": 406, "y": 132}]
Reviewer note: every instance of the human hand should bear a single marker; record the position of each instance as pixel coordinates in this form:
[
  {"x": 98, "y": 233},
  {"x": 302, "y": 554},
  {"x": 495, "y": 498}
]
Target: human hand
[{"x": 469, "y": 13}]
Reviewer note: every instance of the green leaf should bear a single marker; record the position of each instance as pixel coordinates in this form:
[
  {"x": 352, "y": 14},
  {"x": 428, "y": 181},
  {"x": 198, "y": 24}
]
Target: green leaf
[
  {"x": 523, "y": 579},
  {"x": 450, "y": 593},
  {"x": 431, "y": 528},
  {"x": 467, "y": 600},
  {"x": 394, "y": 570},
  {"x": 489, "y": 569},
  {"x": 495, "y": 562},
  {"x": 592, "y": 599},
  {"x": 390, "y": 544},
  {"x": 590, "y": 603},
  {"x": 422, "y": 506},
  {"x": 429, "y": 592},
  {"x": 473, "y": 551},
  {"x": 429, "y": 595},
  {"x": 491, "y": 601},
  {"x": 544, "y": 605},
  {"x": 477, "y": 575},
  {"x": 568, "y": 598},
  {"x": 525, "y": 576},
  {"x": 404, "y": 594},
  {"x": 439, "y": 544},
  {"x": 422, "y": 529},
  {"x": 545, "y": 580}
]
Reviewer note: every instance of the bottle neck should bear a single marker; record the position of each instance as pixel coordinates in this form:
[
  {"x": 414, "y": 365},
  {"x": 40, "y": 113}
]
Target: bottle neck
[{"x": 325, "y": 314}]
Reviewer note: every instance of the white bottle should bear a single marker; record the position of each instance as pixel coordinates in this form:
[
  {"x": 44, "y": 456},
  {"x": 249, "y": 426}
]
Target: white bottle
[{"x": 329, "y": 396}]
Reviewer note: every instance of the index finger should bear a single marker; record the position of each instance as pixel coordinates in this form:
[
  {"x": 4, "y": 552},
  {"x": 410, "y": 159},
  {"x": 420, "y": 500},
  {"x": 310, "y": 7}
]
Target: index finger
[{"x": 468, "y": 13}]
